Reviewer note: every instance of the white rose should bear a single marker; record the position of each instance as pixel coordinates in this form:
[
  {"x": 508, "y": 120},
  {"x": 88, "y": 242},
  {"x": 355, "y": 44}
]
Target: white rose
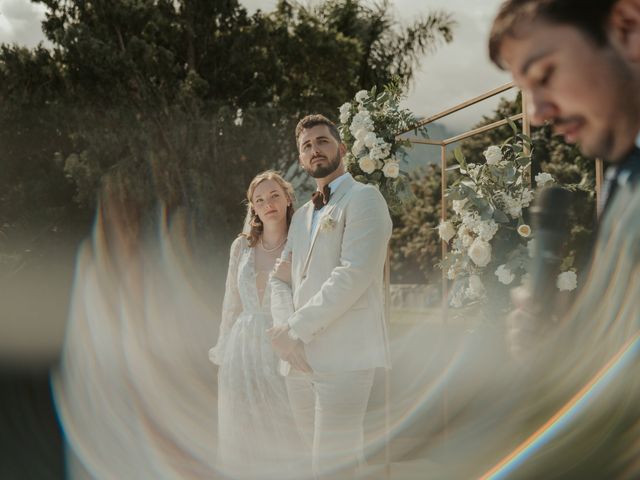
[
  {"x": 391, "y": 169},
  {"x": 470, "y": 220},
  {"x": 512, "y": 206},
  {"x": 493, "y": 154},
  {"x": 376, "y": 153},
  {"x": 361, "y": 134},
  {"x": 345, "y": 112},
  {"x": 480, "y": 252},
  {"x": 527, "y": 197},
  {"x": 567, "y": 281},
  {"x": 357, "y": 148},
  {"x": 486, "y": 230},
  {"x": 458, "y": 205},
  {"x": 446, "y": 231},
  {"x": 370, "y": 140},
  {"x": 367, "y": 165},
  {"x": 524, "y": 230},
  {"x": 543, "y": 178},
  {"x": 361, "y": 96},
  {"x": 504, "y": 275}
]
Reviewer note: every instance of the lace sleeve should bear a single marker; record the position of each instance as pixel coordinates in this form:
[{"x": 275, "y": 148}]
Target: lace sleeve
[{"x": 231, "y": 305}]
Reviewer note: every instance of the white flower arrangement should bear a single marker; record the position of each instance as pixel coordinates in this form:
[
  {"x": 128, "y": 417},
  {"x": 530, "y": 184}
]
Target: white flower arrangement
[
  {"x": 544, "y": 178},
  {"x": 488, "y": 227},
  {"x": 326, "y": 223},
  {"x": 567, "y": 281},
  {"x": 369, "y": 126}
]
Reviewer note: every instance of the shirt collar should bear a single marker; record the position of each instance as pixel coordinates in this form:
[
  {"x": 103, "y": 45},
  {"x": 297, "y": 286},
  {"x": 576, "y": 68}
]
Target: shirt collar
[{"x": 335, "y": 183}]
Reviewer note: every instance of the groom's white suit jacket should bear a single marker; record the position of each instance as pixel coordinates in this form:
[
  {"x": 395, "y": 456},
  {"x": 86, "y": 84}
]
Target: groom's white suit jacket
[{"x": 335, "y": 301}]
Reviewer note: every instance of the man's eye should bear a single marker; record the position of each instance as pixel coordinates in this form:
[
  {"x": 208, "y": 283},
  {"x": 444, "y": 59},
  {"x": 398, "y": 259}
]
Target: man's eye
[{"x": 546, "y": 77}]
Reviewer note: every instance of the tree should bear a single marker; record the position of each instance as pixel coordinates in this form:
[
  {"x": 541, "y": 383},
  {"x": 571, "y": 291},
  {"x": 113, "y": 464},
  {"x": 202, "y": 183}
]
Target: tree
[
  {"x": 415, "y": 237},
  {"x": 415, "y": 245},
  {"x": 154, "y": 89}
]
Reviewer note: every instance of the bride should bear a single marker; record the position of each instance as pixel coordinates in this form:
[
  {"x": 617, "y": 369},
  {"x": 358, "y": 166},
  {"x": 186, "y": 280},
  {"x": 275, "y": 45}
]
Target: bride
[{"x": 257, "y": 437}]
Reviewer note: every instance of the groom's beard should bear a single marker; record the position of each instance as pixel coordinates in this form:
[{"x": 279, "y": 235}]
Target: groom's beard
[{"x": 322, "y": 171}]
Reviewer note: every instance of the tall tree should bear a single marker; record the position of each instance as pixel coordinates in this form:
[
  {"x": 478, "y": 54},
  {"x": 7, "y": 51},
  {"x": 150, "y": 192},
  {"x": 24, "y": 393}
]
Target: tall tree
[{"x": 188, "y": 98}]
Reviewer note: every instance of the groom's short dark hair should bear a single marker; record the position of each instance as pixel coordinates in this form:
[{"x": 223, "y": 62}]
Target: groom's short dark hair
[
  {"x": 588, "y": 16},
  {"x": 314, "y": 120}
]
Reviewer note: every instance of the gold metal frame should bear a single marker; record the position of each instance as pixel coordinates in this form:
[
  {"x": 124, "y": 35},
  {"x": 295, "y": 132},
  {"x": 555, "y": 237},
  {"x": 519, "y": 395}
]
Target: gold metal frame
[{"x": 443, "y": 144}]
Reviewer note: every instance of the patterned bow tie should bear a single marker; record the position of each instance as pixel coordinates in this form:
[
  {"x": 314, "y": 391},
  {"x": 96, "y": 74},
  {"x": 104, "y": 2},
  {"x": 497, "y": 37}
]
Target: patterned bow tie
[{"x": 321, "y": 198}]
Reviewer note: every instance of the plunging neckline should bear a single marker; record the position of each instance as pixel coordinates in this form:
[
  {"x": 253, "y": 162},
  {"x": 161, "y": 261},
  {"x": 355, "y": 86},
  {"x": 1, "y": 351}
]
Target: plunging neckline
[{"x": 255, "y": 271}]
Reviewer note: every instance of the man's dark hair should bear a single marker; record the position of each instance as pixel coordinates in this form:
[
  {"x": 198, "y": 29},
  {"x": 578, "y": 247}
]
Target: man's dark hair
[
  {"x": 589, "y": 16},
  {"x": 314, "y": 120}
]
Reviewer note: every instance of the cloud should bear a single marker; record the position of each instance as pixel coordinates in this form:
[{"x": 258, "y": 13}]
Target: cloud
[
  {"x": 460, "y": 70},
  {"x": 20, "y": 22},
  {"x": 455, "y": 73}
]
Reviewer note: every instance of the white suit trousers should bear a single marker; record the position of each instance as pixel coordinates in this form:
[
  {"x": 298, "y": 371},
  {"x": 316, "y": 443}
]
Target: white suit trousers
[{"x": 329, "y": 411}]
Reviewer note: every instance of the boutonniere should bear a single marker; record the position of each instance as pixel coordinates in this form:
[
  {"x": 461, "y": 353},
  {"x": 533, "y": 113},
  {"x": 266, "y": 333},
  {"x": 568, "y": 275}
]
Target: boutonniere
[{"x": 327, "y": 224}]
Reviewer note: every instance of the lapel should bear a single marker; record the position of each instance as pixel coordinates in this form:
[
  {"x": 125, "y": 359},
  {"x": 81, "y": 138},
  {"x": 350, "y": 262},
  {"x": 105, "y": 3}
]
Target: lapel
[{"x": 343, "y": 188}]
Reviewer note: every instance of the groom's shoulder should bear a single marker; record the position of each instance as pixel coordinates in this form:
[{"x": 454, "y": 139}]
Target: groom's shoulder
[
  {"x": 365, "y": 192},
  {"x": 298, "y": 215}
]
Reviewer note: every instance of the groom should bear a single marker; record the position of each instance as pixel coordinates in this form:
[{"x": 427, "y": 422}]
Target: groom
[{"x": 329, "y": 323}]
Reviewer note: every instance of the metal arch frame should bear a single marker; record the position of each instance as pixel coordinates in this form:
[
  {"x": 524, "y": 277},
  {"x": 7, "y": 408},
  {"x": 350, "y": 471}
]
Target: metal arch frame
[{"x": 443, "y": 144}]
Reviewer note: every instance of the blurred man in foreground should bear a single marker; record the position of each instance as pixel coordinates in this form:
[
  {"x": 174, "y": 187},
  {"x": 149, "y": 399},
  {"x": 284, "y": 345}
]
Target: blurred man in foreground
[{"x": 578, "y": 63}]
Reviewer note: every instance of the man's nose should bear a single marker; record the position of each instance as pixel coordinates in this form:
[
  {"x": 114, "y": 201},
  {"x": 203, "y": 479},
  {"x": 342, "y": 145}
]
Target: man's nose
[{"x": 539, "y": 108}]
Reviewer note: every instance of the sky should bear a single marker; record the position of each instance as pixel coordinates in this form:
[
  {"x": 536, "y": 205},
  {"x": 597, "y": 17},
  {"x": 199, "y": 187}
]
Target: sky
[{"x": 456, "y": 72}]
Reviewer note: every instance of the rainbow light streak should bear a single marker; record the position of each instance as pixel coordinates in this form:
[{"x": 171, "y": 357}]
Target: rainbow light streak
[{"x": 567, "y": 413}]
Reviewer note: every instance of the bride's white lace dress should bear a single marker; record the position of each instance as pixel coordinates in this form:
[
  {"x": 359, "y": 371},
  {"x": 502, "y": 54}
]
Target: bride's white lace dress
[{"x": 257, "y": 437}]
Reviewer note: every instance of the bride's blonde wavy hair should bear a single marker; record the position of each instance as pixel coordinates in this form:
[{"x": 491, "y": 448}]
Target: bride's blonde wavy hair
[{"x": 253, "y": 224}]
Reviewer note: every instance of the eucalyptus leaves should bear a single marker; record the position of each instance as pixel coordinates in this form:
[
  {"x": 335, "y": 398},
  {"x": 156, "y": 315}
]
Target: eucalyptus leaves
[
  {"x": 488, "y": 236},
  {"x": 369, "y": 126}
]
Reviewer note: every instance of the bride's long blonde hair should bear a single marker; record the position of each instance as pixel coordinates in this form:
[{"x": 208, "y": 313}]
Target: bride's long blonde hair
[{"x": 253, "y": 225}]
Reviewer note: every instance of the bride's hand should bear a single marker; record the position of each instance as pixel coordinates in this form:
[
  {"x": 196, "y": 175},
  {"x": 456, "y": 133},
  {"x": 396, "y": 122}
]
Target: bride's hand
[{"x": 282, "y": 270}]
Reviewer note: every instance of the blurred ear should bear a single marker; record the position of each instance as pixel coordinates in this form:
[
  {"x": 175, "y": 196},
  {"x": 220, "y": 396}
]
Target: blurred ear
[
  {"x": 624, "y": 28},
  {"x": 342, "y": 149}
]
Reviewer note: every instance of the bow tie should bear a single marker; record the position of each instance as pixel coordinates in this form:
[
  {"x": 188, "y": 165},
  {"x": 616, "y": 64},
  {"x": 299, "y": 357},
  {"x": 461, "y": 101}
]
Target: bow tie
[{"x": 321, "y": 198}]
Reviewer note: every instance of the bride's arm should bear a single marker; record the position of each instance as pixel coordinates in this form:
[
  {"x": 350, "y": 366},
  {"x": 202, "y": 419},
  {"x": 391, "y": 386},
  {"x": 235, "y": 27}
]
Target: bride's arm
[
  {"x": 231, "y": 305},
  {"x": 281, "y": 293}
]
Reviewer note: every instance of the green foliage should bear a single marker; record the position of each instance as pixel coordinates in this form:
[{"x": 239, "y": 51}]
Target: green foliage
[
  {"x": 150, "y": 88},
  {"x": 414, "y": 237},
  {"x": 415, "y": 245},
  {"x": 369, "y": 126}
]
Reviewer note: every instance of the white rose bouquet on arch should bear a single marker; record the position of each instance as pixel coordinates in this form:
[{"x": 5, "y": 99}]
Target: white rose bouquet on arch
[
  {"x": 488, "y": 237},
  {"x": 369, "y": 125},
  {"x": 487, "y": 234}
]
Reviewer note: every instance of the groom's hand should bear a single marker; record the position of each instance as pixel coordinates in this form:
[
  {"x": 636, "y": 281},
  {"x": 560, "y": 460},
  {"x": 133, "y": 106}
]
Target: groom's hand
[
  {"x": 298, "y": 359},
  {"x": 289, "y": 349},
  {"x": 281, "y": 342}
]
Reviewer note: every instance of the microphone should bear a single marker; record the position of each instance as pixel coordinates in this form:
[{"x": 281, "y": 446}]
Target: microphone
[{"x": 550, "y": 222}]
